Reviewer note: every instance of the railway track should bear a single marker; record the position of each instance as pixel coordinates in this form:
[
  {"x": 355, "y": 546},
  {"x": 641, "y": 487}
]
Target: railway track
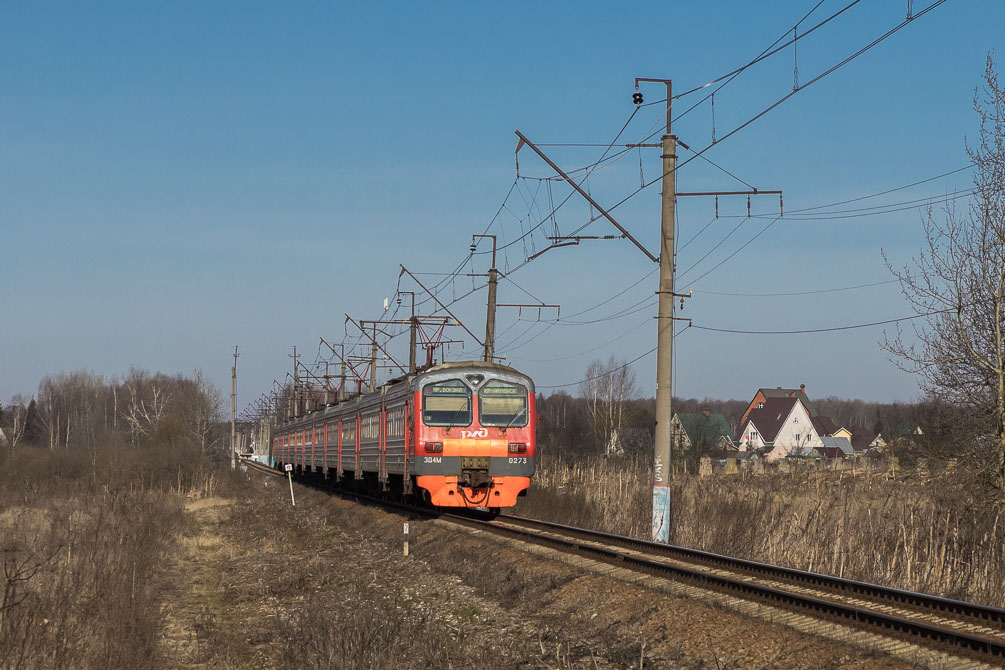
[{"x": 950, "y": 626}]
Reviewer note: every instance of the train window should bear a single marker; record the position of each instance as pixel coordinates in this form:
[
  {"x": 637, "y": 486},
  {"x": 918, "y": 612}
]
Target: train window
[
  {"x": 446, "y": 403},
  {"x": 502, "y": 404}
]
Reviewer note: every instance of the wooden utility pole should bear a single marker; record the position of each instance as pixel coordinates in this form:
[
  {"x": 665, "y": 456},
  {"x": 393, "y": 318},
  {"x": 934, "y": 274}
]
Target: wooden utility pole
[{"x": 233, "y": 406}]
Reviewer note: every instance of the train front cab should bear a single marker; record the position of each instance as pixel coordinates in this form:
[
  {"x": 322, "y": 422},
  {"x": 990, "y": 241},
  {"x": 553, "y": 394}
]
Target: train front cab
[{"x": 474, "y": 443}]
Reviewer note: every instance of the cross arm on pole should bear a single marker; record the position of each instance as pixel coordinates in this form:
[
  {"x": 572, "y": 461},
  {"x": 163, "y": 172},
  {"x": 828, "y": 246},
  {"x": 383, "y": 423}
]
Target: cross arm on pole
[
  {"x": 578, "y": 189},
  {"x": 374, "y": 340},
  {"x": 405, "y": 270}
]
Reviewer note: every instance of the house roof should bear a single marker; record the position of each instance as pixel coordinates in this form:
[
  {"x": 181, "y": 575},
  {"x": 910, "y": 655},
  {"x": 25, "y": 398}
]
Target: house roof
[
  {"x": 824, "y": 425},
  {"x": 769, "y": 419},
  {"x": 841, "y": 443},
  {"x": 862, "y": 438},
  {"x": 779, "y": 392},
  {"x": 713, "y": 426}
]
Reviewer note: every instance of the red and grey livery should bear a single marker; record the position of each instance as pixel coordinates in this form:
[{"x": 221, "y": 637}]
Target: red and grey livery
[{"x": 457, "y": 434}]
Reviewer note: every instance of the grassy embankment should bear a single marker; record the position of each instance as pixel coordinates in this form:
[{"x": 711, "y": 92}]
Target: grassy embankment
[
  {"x": 938, "y": 534},
  {"x": 82, "y": 538}
]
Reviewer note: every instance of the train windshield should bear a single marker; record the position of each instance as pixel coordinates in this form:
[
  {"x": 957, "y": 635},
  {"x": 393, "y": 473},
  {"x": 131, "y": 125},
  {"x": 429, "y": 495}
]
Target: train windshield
[
  {"x": 502, "y": 404},
  {"x": 446, "y": 403}
]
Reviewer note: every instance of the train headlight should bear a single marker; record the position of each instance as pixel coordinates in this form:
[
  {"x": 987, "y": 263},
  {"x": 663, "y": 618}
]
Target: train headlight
[
  {"x": 517, "y": 448},
  {"x": 434, "y": 447}
]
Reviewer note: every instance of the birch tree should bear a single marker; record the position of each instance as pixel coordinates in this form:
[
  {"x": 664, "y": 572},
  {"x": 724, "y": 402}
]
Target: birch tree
[{"x": 606, "y": 389}]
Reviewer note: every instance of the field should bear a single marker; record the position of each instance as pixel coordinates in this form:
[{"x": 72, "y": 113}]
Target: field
[{"x": 934, "y": 532}]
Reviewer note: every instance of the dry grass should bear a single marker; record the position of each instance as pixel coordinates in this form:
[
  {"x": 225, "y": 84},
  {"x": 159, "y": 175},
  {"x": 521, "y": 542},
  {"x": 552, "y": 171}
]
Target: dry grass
[
  {"x": 938, "y": 535},
  {"x": 82, "y": 534}
]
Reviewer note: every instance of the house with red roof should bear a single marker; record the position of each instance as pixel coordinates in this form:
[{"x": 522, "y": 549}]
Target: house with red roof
[
  {"x": 764, "y": 394},
  {"x": 778, "y": 427}
]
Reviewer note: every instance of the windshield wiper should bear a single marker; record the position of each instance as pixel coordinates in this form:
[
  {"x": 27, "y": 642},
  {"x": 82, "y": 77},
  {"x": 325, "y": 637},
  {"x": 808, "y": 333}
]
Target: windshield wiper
[{"x": 516, "y": 416}]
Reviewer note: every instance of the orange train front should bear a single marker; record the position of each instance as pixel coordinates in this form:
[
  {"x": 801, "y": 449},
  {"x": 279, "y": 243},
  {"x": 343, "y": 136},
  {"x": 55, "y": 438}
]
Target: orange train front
[
  {"x": 457, "y": 435},
  {"x": 474, "y": 442}
]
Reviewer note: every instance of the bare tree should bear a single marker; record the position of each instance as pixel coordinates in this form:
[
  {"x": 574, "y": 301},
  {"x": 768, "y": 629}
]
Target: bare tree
[
  {"x": 957, "y": 284},
  {"x": 146, "y": 405},
  {"x": 15, "y": 421},
  {"x": 200, "y": 405},
  {"x": 606, "y": 389}
]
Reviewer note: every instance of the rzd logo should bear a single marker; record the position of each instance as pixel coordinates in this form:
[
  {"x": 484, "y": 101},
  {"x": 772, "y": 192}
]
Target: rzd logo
[{"x": 481, "y": 432}]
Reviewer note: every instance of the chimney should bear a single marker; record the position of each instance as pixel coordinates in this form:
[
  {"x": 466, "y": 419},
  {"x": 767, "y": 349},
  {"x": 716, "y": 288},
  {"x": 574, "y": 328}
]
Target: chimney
[
  {"x": 802, "y": 387},
  {"x": 705, "y": 412},
  {"x": 792, "y": 394}
]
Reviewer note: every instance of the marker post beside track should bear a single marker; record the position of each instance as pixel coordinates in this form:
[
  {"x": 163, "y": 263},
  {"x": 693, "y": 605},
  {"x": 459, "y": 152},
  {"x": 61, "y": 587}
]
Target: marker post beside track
[
  {"x": 406, "y": 538},
  {"x": 289, "y": 475}
]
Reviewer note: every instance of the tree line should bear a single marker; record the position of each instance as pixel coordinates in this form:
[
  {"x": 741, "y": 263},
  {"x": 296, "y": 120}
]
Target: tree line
[
  {"x": 84, "y": 410},
  {"x": 607, "y": 418}
]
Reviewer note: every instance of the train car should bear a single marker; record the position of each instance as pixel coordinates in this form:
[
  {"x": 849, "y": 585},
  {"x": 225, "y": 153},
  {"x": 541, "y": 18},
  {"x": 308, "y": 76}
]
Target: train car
[{"x": 455, "y": 435}]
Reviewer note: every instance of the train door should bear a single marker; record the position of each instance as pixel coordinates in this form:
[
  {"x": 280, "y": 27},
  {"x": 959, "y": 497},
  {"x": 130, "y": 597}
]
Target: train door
[
  {"x": 382, "y": 447},
  {"x": 325, "y": 438},
  {"x": 338, "y": 450},
  {"x": 359, "y": 423}
]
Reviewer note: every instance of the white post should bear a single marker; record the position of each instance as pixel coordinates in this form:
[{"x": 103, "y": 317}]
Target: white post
[
  {"x": 289, "y": 475},
  {"x": 406, "y": 538}
]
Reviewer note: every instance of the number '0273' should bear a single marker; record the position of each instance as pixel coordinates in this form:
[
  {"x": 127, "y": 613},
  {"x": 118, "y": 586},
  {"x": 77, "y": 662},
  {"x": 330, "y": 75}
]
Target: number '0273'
[{"x": 517, "y": 459}]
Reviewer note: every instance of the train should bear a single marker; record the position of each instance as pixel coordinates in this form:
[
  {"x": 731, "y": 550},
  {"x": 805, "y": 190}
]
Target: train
[{"x": 458, "y": 434}]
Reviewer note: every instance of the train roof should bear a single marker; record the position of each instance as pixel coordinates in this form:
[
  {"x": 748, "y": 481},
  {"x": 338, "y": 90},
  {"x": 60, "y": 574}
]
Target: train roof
[{"x": 476, "y": 365}]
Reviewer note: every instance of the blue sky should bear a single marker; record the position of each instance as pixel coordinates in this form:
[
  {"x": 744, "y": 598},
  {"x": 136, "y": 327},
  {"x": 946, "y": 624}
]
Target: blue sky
[{"x": 182, "y": 178}]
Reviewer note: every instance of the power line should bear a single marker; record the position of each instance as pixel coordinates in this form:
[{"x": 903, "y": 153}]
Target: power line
[
  {"x": 793, "y": 293},
  {"x": 891, "y": 190},
  {"x": 607, "y": 372},
  {"x": 745, "y": 245},
  {"x": 717, "y": 245},
  {"x": 591, "y": 350},
  {"x": 858, "y": 213},
  {"x": 821, "y": 330},
  {"x": 769, "y": 52}
]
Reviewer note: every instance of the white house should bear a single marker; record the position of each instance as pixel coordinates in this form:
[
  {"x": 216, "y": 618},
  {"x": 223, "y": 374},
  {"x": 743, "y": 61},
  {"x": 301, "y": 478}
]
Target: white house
[{"x": 776, "y": 426}]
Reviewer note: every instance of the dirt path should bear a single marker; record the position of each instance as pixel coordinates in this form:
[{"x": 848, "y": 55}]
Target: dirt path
[{"x": 200, "y": 575}]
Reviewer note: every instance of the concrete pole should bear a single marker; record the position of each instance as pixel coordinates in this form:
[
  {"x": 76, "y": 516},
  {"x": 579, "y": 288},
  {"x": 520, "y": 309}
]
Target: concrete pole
[
  {"x": 373, "y": 362},
  {"x": 233, "y": 406},
  {"x": 490, "y": 315},
  {"x": 664, "y": 342},
  {"x": 341, "y": 384},
  {"x": 490, "y": 310},
  {"x": 412, "y": 327}
]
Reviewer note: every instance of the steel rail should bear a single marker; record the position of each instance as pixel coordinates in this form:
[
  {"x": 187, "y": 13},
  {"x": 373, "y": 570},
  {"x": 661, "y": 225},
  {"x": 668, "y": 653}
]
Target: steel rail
[
  {"x": 925, "y": 602},
  {"x": 908, "y": 629}
]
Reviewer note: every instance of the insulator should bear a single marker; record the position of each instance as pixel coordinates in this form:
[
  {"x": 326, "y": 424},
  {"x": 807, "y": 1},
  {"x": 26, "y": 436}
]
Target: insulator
[{"x": 637, "y": 98}]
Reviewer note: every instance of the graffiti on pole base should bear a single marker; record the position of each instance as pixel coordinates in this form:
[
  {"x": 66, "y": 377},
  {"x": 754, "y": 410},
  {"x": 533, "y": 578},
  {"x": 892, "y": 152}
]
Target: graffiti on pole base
[{"x": 661, "y": 514}]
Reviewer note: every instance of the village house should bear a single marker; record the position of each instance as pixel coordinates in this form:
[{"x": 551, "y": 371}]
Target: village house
[
  {"x": 709, "y": 431},
  {"x": 781, "y": 423},
  {"x": 776, "y": 427}
]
